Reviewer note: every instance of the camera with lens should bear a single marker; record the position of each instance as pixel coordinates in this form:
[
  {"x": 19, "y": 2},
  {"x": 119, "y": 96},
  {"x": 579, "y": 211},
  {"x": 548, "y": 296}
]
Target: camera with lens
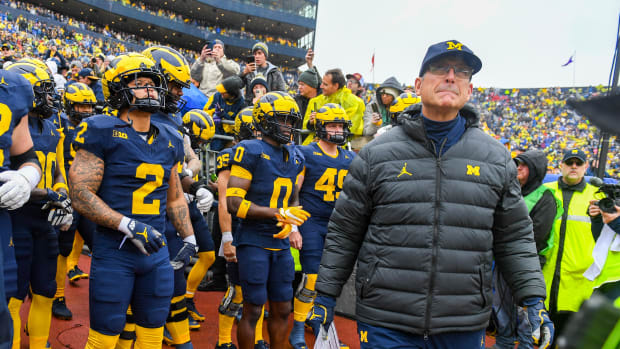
[{"x": 612, "y": 195}]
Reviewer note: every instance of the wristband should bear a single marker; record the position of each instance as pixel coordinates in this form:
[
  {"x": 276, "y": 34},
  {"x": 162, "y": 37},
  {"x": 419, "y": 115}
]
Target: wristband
[
  {"x": 60, "y": 185},
  {"x": 294, "y": 228},
  {"x": 226, "y": 237},
  {"x": 244, "y": 207},
  {"x": 190, "y": 239},
  {"x": 123, "y": 226},
  {"x": 31, "y": 174},
  {"x": 235, "y": 192}
]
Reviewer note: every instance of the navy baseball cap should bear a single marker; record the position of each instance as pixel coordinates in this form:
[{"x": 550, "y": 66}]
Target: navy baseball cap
[
  {"x": 88, "y": 73},
  {"x": 450, "y": 48},
  {"x": 574, "y": 153}
]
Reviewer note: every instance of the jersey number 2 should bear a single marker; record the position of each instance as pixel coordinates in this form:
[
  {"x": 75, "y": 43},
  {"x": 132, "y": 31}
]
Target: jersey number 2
[{"x": 138, "y": 205}]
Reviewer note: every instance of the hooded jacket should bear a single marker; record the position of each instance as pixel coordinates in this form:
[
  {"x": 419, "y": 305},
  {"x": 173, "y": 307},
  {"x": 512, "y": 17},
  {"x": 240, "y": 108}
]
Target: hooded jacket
[
  {"x": 370, "y": 128},
  {"x": 275, "y": 80},
  {"x": 425, "y": 230},
  {"x": 544, "y": 212}
]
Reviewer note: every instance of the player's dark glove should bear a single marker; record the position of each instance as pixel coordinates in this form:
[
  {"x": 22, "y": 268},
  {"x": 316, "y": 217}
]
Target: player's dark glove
[
  {"x": 58, "y": 199},
  {"x": 322, "y": 313},
  {"x": 540, "y": 323},
  {"x": 146, "y": 238},
  {"x": 184, "y": 255}
]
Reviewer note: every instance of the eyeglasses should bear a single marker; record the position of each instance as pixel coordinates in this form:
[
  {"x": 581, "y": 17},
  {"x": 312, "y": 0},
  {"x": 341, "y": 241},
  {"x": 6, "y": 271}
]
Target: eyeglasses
[
  {"x": 460, "y": 72},
  {"x": 571, "y": 162}
]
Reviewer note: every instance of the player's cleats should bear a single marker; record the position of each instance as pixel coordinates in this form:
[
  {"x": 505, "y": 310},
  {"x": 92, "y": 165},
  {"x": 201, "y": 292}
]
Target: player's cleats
[
  {"x": 193, "y": 312},
  {"x": 226, "y": 346},
  {"x": 76, "y": 273},
  {"x": 60, "y": 310},
  {"x": 297, "y": 337},
  {"x": 261, "y": 345},
  {"x": 193, "y": 324}
]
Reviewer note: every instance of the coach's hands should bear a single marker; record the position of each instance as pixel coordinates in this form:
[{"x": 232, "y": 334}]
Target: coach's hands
[
  {"x": 322, "y": 313},
  {"x": 540, "y": 323}
]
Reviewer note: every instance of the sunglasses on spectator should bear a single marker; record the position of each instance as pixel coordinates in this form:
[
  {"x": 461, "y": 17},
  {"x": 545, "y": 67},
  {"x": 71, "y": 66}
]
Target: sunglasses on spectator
[
  {"x": 571, "y": 162},
  {"x": 5, "y": 49},
  {"x": 461, "y": 72}
]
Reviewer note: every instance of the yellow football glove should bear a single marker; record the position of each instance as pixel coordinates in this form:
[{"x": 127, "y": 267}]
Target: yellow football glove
[
  {"x": 285, "y": 232},
  {"x": 294, "y": 215}
]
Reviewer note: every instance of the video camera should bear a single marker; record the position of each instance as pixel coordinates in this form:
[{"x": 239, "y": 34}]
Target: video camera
[{"x": 612, "y": 193}]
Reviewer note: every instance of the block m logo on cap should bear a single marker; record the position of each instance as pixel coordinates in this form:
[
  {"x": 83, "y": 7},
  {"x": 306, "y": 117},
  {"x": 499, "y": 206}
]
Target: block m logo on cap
[{"x": 454, "y": 46}]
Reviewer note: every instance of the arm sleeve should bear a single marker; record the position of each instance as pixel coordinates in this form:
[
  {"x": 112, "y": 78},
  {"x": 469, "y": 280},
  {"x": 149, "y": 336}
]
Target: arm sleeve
[
  {"x": 543, "y": 215},
  {"x": 513, "y": 241},
  {"x": 596, "y": 226},
  {"x": 347, "y": 228},
  {"x": 196, "y": 71},
  {"x": 369, "y": 128},
  {"x": 277, "y": 84},
  {"x": 228, "y": 67}
]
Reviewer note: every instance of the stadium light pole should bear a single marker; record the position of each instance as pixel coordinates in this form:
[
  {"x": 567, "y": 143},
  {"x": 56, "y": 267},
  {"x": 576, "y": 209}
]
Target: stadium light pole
[{"x": 602, "y": 160}]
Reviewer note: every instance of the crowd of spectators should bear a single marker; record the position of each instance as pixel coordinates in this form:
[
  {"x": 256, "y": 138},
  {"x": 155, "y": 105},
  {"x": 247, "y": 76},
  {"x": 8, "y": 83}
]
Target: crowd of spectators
[{"x": 202, "y": 24}]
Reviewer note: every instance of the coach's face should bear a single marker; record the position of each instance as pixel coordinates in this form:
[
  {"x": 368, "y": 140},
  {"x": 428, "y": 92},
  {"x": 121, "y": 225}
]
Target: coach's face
[{"x": 443, "y": 88}]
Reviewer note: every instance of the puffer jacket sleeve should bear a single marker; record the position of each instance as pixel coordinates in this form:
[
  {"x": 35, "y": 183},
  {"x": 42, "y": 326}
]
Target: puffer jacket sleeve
[
  {"x": 347, "y": 228},
  {"x": 513, "y": 241}
]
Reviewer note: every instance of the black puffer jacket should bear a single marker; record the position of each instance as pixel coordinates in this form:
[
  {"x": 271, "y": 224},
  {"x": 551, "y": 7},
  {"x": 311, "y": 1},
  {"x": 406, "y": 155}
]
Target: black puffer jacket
[{"x": 426, "y": 230}]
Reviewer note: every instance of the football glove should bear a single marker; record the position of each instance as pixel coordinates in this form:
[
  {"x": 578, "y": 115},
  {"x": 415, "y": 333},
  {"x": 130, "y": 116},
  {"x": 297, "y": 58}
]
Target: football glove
[
  {"x": 146, "y": 238},
  {"x": 293, "y": 215},
  {"x": 322, "y": 313},
  {"x": 204, "y": 200},
  {"x": 15, "y": 190},
  {"x": 285, "y": 232},
  {"x": 540, "y": 323},
  {"x": 184, "y": 255},
  {"x": 58, "y": 217},
  {"x": 58, "y": 199}
]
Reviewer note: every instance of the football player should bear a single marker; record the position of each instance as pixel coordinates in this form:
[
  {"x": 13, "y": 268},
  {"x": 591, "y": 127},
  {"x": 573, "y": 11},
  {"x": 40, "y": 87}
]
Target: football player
[
  {"x": 124, "y": 178},
  {"x": 20, "y": 173},
  {"x": 320, "y": 184},
  {"x": 232, "y": 303},
  {"x": 262, "y": 192},
  {"x": 79, "y": 103},
  {"x": 34, "y": 234},
  {"x": 200, "y": 129}
]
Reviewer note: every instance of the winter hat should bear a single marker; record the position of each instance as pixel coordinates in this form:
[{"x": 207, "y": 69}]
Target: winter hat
[
  {"x": 231, "y": 85},
  {"x": 259, "y": 79},
  {"x": 261, "y": 46},
  {"x": 311, "y": 78}
]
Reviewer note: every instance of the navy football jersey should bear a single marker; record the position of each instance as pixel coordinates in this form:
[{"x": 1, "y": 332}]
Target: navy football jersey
[
  {"x": 172, "y": 120},
  {"x": 136, "y": 172},
  {"x": 16, "y": 100},
  {"x": 45, "y": 139},
  {"x": 223, "y": 160},
  {"x": 69, "y": 131},
  {"x": 273, "y": 182},
  {"x": 323, "y": 177}
]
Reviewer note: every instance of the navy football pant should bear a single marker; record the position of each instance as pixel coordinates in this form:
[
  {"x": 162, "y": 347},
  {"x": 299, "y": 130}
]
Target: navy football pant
[
  {"x": 175, "y": 243},
  {"x": 201, "y": 229},
  {"x": 375, "y": 337},
  {"x": 120, "y": 277},
  {"x": 36, "y": 251}
]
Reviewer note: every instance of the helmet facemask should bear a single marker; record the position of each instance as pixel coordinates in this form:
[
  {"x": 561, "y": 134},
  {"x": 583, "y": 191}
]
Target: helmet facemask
[{"x": 340, "y": 138}]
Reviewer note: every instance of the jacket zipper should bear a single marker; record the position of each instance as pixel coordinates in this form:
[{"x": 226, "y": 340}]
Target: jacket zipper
[{"x": 429, "y": 296}]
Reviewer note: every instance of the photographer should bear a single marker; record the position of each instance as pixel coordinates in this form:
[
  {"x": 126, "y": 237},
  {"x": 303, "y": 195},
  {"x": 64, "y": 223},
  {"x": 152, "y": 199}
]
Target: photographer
[
  {"x": 605, "y": 271},
  {"x": 212, "y": 67}
]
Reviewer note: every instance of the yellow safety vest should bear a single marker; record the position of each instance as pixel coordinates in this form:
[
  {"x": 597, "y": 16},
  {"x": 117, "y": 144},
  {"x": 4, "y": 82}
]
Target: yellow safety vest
[
  {"x": 576, "y": 249},
  {"x": 611, "y": 270}
]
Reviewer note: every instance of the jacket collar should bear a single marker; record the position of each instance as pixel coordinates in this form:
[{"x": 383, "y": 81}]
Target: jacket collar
[{"x": 414, "y": 126}]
